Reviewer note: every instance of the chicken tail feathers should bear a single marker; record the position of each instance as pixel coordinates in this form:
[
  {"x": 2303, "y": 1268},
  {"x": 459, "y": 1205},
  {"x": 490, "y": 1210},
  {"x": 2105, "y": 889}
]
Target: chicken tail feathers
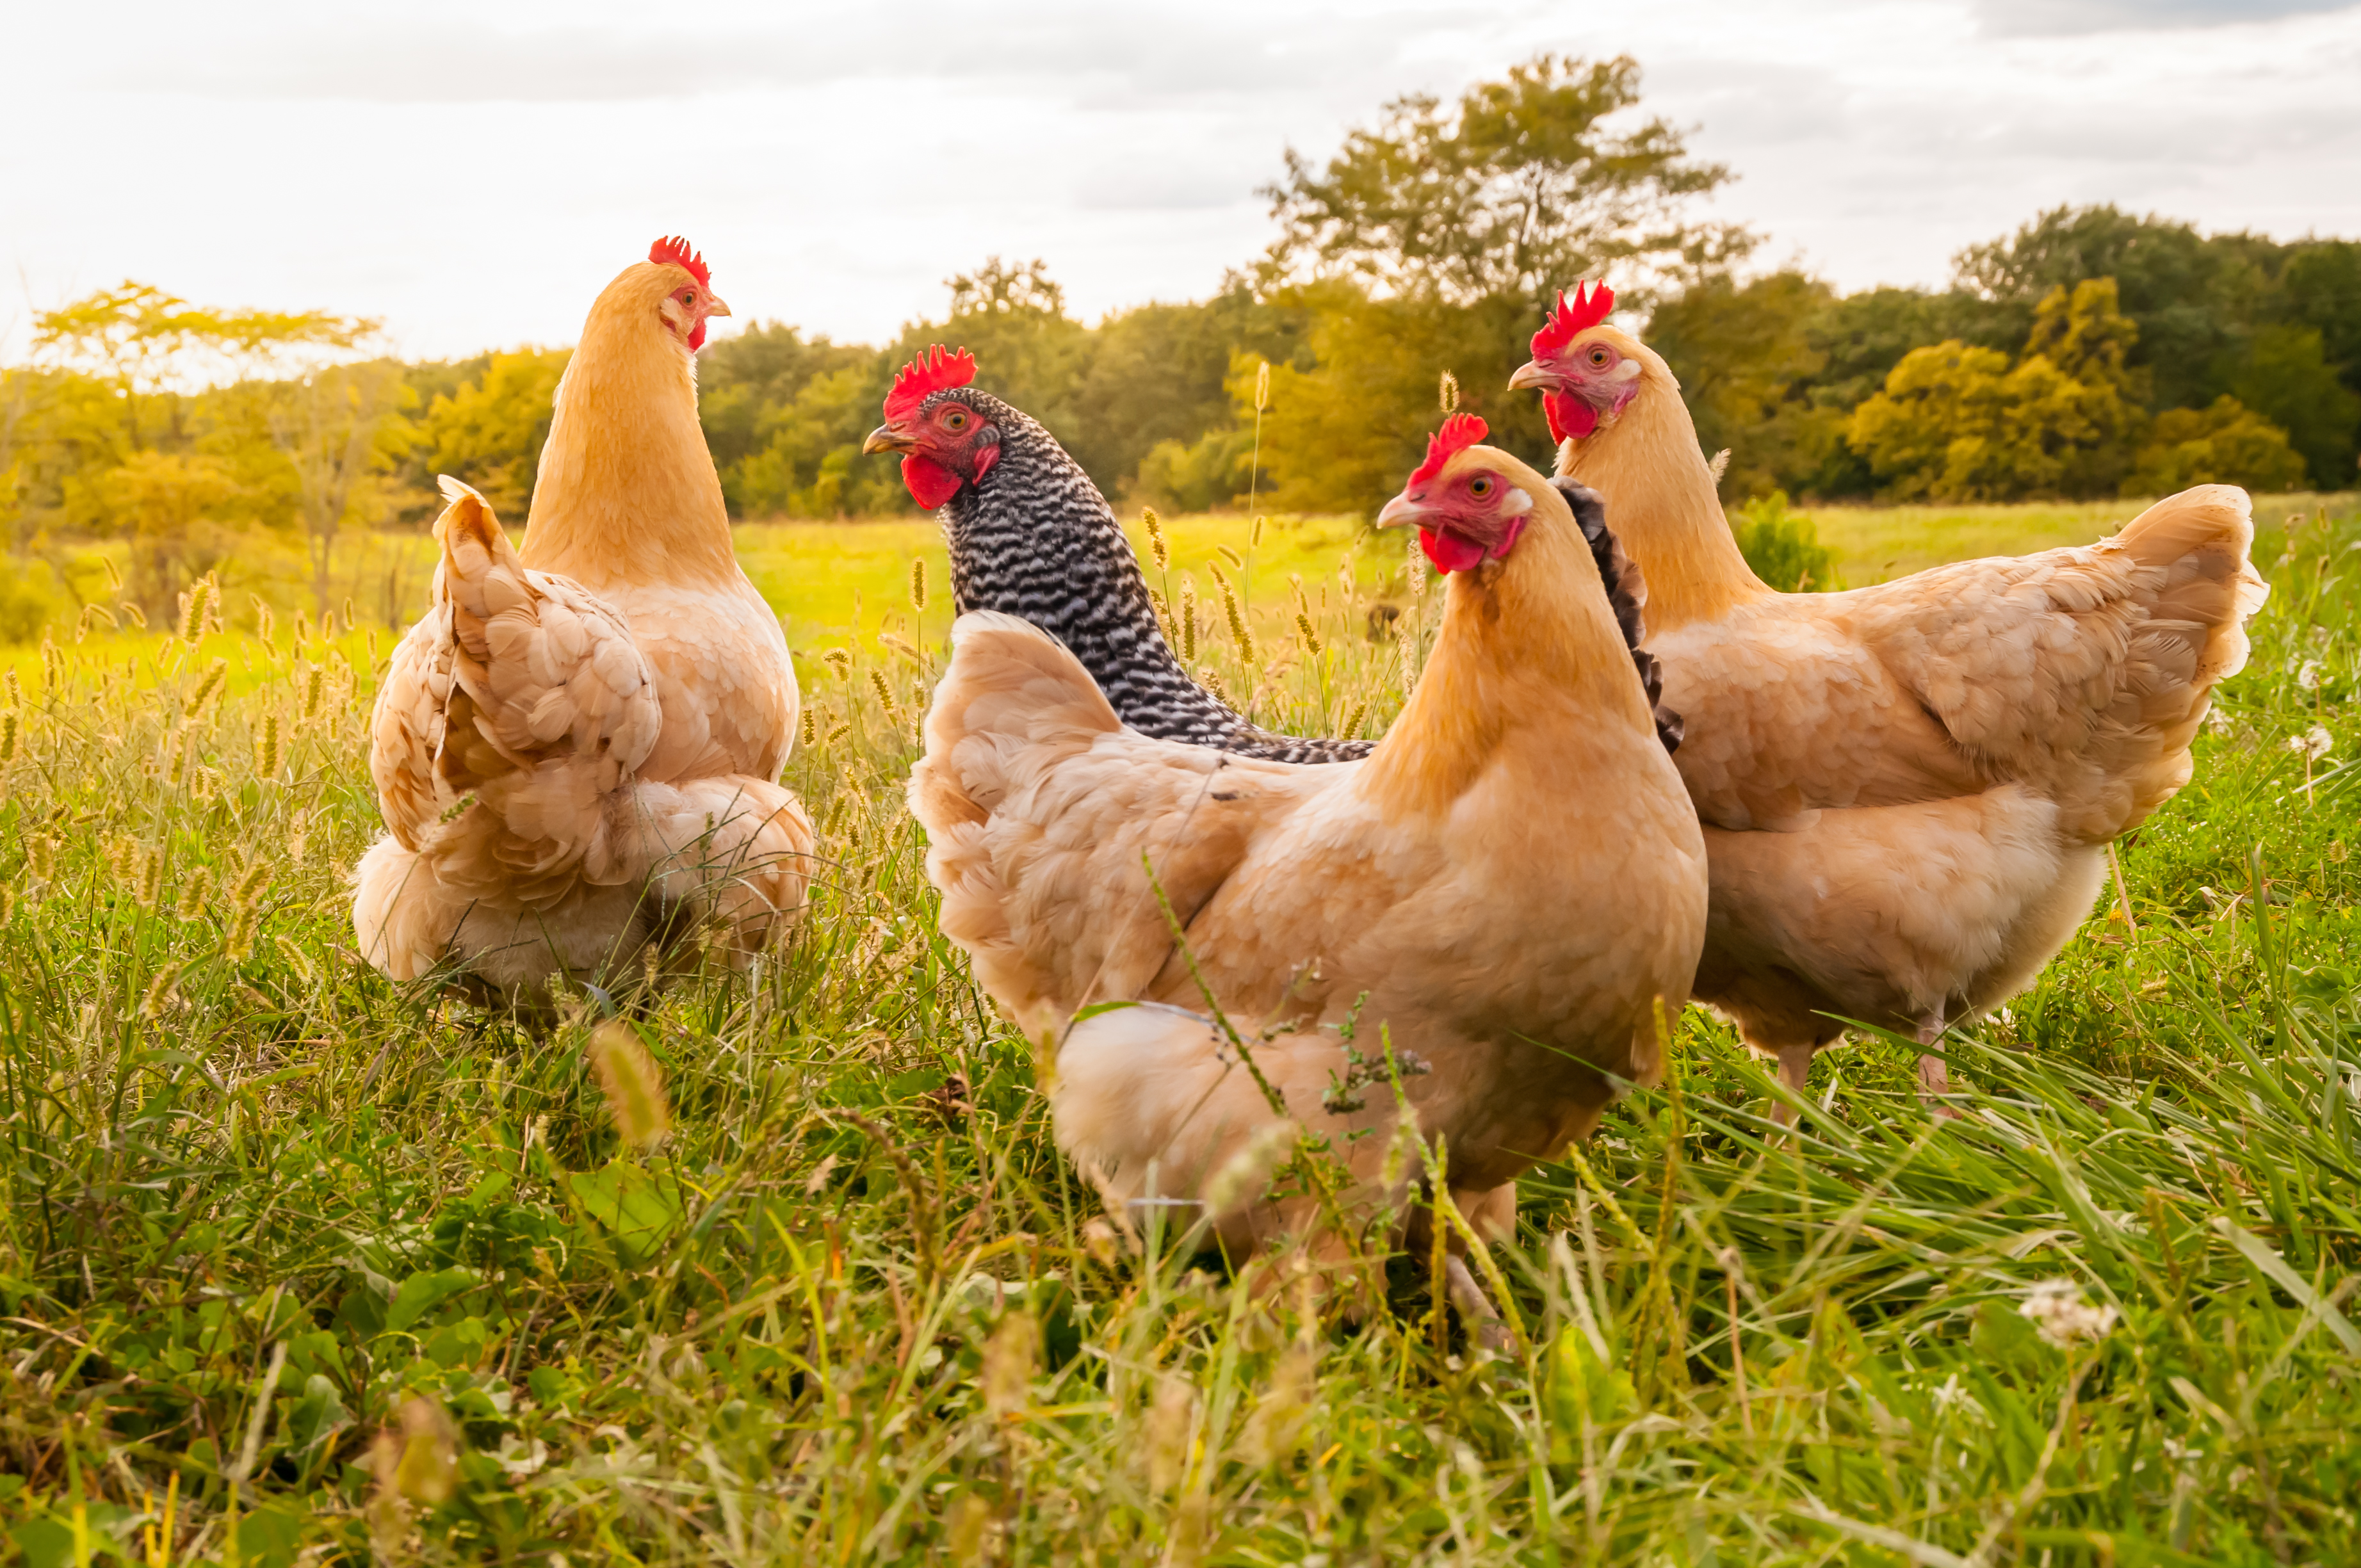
[
  {"x": 1627, "y": 593},
  {"x": 2201, "y": 540}
]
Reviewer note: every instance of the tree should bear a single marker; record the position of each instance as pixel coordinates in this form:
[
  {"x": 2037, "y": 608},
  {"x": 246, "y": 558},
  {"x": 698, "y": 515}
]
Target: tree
[
  {"x": 2192, "y": 298},
  {"x": 1431, "y": 241},
  {"x": 2286, "y": 379},
  {"x": 341, "y": 429},
  {"x": 2228, "y": 444},
  {"x": 489, "y": 432},
  {"x": 141, "y": 340},
  {"x": 1522, "y": 186},
  {"x": 1745, "y": 359}
]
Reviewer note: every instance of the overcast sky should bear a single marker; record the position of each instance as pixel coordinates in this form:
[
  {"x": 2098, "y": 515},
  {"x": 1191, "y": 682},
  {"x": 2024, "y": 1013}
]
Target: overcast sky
[{"x": 474, "y": 172}]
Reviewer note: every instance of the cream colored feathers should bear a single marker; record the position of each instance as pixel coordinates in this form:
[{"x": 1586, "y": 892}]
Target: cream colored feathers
[
  {"x": 1908, "y": 789},
  {"x": 523, "y": 839},
  {"x": 1515, "y": 880}
]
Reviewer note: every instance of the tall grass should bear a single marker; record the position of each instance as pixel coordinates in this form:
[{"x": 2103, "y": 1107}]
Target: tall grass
[{"x": 297, "y": 1267}]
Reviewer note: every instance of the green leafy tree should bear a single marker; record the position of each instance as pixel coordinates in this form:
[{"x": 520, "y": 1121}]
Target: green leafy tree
[
  {"x": 342, "y": 430},
  {"x": 1746, "y": 361},
  {"x": 2228, "y": 444},
  {"x": 1523, "y": 185},
  {"x": 140, "y": 341},
  {"x": 2192, "y": 298},
  {"x": 1431, "y": 241},
  {"x": 2322, "y": 285},
  {"x": 2286, "y": 379},
  {"x": 489, "y": 432},
  {"x": 1955, "y": 423}
]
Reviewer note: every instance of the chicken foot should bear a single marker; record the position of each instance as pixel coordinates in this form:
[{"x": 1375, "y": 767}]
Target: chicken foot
[
  {"x": 1476, "y": 1310},
  {"x": 1794, "y": 1071},
  {"x": 1934, "y": 1075}
]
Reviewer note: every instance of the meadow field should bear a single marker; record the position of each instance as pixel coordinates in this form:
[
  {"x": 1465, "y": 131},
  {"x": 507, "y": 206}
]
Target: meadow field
[{"x": 299, "y": 1268}]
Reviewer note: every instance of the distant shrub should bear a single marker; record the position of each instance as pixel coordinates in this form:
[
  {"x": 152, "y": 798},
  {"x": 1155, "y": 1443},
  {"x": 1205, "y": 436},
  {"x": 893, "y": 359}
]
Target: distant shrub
[
  {"x": 1198, "y": 476},
  {"x": 1783, "y": 547},
  {"x": 28, "y": 600},
  {"x": 2228, "y": 443}
]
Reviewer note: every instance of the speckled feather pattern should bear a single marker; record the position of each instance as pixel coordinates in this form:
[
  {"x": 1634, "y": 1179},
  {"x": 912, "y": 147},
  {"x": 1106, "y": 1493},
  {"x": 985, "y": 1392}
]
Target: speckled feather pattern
[{"x": 1036, "y": 540}]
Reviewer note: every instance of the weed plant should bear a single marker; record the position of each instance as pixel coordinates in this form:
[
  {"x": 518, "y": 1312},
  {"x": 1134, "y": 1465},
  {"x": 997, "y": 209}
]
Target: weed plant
[{"x": 783, "y": 1265}]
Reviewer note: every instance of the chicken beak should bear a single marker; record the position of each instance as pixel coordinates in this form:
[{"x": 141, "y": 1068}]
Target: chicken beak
[
  {"x": 715, "y": 305},
  {"x": 890, "y": 438},
  {"x": 1401, "y": 511},
  {"x": 1534, "y": 374}
]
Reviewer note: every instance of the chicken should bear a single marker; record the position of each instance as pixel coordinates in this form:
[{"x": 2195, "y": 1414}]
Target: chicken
[
  {"x": 1513, "y": 883},
  {"x": 1031, "y": 536},
  {"x": 1906, "y": 790},
  {"x": 576, "y": 751}
]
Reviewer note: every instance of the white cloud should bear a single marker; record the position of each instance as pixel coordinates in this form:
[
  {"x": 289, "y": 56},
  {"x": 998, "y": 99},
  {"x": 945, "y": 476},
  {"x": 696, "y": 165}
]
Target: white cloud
[{"x": 472, "y": 173}]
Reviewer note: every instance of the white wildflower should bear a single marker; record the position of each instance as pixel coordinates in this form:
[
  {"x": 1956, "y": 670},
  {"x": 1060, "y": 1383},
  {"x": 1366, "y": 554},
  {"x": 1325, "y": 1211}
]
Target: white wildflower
[
  {"x": 2217, "y": 721},
  {"x": 2313, "y": 744},
  {"x": 2056, "y": 1308},
  {"x": 2307, "y": 674}
]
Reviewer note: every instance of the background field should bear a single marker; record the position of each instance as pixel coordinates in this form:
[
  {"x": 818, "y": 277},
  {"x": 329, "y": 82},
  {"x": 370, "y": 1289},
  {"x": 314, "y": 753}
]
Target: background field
[{"x": 294, "y": 1267}]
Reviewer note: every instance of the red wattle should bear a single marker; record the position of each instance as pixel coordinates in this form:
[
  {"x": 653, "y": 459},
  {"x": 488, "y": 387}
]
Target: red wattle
[
  {"x": 931, "y": 484},
  {"x": 1508, "y": 540},
  {"x": 1449, "y": 552},
  {"x": 1568, "y": 416},
  {"x": 985, "y": 457}
]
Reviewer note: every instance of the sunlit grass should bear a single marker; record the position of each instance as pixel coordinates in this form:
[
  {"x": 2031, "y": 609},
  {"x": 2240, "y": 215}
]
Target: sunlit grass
[{"x": 294, "y": 1267}]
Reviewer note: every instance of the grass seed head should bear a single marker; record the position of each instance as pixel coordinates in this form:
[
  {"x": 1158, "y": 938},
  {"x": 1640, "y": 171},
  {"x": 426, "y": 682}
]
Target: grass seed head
[
  {"x": 884, "y": 690},
  {"x": 1010, "y": 1357},
  {"x": 1262, "y": 386},
  {"x": 265, "y": 623},
  {"x": 157, "y": 999},
  {"x": 1353, "y": 721},
  {"x": 209, "y": 685},
  {"x": 239, "y": 941},
  {"x": 1232, "y": 556},
  {"x": 196, "y": 894},
  {"x": 11, "y": 724},
  {"x": 810, "y": 727},
  {"x": 633, "y": 1088},
  {"x": 1157, "y": 550},
  {"x": 266, "y": 747},
  {"x": 1188, "y": 619},
  {"x": 918, "y": 584},
  {"x": 840, "y": 660},
  {"x": 1171, "y": 1432},
  {"x": 297, "y": 959},
  {"x": 1447, "y": 394}
]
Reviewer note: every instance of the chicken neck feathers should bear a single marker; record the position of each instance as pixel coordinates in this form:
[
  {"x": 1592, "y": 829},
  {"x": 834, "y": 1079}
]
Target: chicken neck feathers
[{"x": 1036, "y": 540}]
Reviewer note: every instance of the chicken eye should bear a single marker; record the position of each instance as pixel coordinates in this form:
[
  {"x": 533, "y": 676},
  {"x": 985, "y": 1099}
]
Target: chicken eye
[
  {"x": 1599, "y": 357},
  {"x": 1480, "y": 487},
  {"x": 955, "y": 420}
]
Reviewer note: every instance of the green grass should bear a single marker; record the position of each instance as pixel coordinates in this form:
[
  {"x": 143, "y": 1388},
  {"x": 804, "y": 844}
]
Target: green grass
[
  {"x": 1876, "y": 544},
  {"x": 331, "y": 1273}
]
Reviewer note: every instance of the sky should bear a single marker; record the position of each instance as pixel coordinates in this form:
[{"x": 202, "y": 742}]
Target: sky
[{"x": 472, "y": 173}]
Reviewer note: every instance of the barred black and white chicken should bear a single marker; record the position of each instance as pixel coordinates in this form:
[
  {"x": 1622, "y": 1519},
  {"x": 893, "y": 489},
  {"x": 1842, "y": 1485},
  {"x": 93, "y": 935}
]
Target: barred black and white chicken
[{"x": 1031, "y": 536}]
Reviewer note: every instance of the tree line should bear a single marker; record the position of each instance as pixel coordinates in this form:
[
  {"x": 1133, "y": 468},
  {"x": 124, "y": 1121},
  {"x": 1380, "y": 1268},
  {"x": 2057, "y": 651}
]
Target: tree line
[{"x": 2091, "y": 352}]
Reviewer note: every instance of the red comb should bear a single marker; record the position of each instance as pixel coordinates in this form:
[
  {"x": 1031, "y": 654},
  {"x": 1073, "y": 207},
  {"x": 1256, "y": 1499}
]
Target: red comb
[
  {"x": 676, "y": 250},
  {"x": 1591, "y": 303},
  {"x": 1459, "y": 433},
  {"x": 936, "y": 371}
]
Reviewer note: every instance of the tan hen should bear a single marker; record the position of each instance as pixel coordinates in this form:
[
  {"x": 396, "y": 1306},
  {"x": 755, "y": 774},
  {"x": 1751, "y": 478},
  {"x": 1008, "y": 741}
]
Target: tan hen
[{"x": 1907, "y": 790}]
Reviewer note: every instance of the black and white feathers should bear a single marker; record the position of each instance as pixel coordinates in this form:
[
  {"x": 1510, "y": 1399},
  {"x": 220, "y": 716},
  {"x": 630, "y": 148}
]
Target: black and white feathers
[{"x": 1036, "y": 539}]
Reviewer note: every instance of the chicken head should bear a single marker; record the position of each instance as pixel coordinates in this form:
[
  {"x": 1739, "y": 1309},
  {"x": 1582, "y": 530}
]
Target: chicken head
[
  {"x": 946, "y": 439},
  {"x": 1587, "y": 372}
]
